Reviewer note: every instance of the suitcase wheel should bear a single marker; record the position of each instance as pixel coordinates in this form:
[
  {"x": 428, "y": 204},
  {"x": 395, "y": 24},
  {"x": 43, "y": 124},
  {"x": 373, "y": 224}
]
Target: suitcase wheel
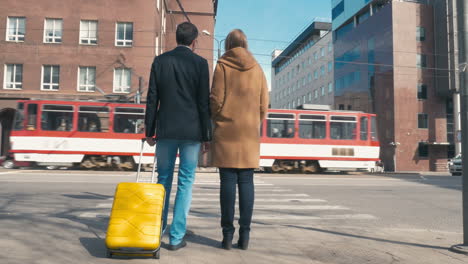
[
  {"x": 108, "y": 254},
  {"x": 156, "y": 255}
]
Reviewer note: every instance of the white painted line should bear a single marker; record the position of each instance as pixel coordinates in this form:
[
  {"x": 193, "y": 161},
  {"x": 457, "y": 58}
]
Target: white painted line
[
  {"x": 305, "y": 217},
  {"x": 288, "y": 207},
  {"x": 278, "y": 217},
  {"x": 196, "y": 195},
  {"x": 285, "y": 200},
  {"x": 216, "y": 202},
  {"x": 8, "y": 172}
]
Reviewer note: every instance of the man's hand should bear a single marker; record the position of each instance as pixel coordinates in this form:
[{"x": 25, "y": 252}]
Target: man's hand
[
  {"x": 151, "y": 141},
  {"x": 205, "y": 147}
]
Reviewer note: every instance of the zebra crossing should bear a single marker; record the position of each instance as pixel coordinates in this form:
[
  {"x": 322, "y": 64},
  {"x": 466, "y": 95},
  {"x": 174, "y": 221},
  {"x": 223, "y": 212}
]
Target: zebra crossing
[{"x": 272, "y": 204}]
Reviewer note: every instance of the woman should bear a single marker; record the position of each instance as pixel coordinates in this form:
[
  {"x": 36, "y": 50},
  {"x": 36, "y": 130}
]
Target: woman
[{"x": 239, "y": 102}]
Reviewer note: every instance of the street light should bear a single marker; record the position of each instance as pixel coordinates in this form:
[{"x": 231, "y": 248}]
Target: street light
[{"x": 207, "y": 33}]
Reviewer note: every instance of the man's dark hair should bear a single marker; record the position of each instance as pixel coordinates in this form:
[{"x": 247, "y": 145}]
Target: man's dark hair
[{"x": 186, "y": 33}]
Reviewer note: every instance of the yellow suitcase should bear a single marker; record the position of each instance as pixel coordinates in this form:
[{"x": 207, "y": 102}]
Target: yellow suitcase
[{"x": 135, "y": 225}]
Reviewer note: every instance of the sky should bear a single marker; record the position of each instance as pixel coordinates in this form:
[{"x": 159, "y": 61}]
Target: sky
[{"x": 268, "y": 24}]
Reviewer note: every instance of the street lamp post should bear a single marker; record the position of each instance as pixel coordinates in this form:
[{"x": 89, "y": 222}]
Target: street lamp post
[{"x": 207, "y": 33}]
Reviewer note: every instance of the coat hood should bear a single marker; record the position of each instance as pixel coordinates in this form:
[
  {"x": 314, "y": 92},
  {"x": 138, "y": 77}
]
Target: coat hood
[{"x": 238, "y": 58}]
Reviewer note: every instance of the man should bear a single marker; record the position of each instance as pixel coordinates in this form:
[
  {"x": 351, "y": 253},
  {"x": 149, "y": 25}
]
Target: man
[{"x": 177, "y": 109}]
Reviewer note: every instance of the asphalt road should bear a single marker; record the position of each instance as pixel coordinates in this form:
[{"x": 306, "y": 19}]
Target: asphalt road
[{"x": 61, "y": 217}]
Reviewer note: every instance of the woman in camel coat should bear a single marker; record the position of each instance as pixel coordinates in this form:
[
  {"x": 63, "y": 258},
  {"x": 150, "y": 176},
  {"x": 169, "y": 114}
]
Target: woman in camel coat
[{"x": 239, "y": 102}]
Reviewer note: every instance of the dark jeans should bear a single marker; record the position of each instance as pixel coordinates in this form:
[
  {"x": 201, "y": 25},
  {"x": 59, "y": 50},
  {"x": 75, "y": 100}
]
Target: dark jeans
[{"x": 229, "y": 179}]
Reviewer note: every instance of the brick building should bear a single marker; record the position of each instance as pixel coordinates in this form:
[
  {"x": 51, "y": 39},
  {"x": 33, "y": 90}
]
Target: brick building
[
  {"x": 88, "y": 50},
  {"x": 386, "y": 56}
]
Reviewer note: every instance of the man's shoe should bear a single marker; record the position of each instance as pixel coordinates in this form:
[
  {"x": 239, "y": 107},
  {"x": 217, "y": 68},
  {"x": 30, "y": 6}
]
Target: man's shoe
[{"x": 178, "y": 246}]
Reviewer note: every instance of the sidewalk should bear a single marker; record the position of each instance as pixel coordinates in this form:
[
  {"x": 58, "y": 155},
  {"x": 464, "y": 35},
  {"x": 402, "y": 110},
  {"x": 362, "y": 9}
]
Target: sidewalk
[{"x": 320, "y": 244}]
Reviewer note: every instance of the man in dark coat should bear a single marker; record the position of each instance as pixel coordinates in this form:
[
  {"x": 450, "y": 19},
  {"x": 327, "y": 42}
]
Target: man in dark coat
[{"x": 178, "y": 114}]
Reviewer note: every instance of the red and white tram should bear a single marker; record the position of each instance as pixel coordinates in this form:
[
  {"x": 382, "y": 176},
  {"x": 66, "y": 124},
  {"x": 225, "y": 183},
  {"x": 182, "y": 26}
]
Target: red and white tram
[{"x": 103, "y": 134}]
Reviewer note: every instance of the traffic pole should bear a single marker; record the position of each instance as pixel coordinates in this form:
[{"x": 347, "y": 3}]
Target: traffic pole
[{"x": 462, "y": 21}]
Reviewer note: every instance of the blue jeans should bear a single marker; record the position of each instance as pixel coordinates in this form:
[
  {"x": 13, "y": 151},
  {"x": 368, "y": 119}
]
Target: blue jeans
[{"x": 166, "y": 153}]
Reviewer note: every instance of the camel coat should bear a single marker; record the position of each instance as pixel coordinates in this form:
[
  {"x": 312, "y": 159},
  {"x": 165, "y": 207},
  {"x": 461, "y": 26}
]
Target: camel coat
[{"x": 239, "y": 102}]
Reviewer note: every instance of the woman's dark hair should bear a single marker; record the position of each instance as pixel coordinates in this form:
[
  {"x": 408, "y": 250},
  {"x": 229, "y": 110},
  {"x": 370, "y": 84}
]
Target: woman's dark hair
[{"x": 186, "y": 33}]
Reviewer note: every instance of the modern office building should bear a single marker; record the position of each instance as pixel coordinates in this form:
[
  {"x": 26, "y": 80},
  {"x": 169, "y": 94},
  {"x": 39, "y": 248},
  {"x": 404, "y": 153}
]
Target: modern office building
[
  {"x": 88, "y": 50},
  {"x": 303, "y": 72},
  {"x": 387, "y": 61}
]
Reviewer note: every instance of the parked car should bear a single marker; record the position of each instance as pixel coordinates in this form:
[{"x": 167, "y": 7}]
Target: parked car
[
  {"x": 7, "y": 162},
  {"x": 455, "y": 165}
]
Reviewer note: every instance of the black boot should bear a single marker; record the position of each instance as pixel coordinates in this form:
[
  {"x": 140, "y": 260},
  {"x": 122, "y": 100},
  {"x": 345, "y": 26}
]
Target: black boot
[
  {"x": 227, "y": 242},
  {"x": 243, "y": 242}
]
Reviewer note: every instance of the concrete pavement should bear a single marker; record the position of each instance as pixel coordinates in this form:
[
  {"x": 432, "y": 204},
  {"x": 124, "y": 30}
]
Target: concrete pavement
[{"x": 61, "y": 217}]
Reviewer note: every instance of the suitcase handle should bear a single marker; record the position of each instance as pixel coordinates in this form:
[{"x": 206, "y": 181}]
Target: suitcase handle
[{"x": 143, "y": 140}]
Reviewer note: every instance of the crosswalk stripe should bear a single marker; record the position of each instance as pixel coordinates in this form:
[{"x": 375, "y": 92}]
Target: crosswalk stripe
[
  {"x": 288, "y": 207},
  {"x": 215, "y": 202},
  {"x": 196, "y": 195},
  {"x": 278, "y": 217}
]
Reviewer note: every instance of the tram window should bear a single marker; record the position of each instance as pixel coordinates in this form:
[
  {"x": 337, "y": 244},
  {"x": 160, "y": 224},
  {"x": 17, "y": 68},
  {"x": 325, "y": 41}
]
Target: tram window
[
  {"x": 278, "y": 128},
  {"x": 19, "y": 117},
  {"x": 312, "y": 126},
  {"x": 364, "y": 126},
  {"x": 129, "y": 120},
  {"x": 343, "y": 127},
  {"x": 32, "y": 117},
  {"x": 374, "y": 136},
  {"x": 93, "y": 119},
  {"x": 57, "y": 118}
]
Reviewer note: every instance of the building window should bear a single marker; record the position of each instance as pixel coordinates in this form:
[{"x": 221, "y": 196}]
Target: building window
[
  {"x": 13, "y": 76},
  {"x": 87, "y": 79},
  {"x": 316, "y": 56},
  {"x": 309, "y": 76},
  {"x": 88, "y": 32},
  {"x": 122, "y": 80},
  {"x": 422, "y": 91},
  {"x": 310, "y": 97},
  {"x": 341, "y": 107},
  {"x": 316, "y": 74},
  {"x": 323, "y": 90},
  {"x": 16, "y": 29},
  {"x": 423, "y": 150},
  {"x": 330, "y": 87},
  {"x": 420, "y": 33},
  {"x": 316, "y": 93},
  {"x": 124, "y": 34},
  {"x": 50, "y": 77},
  {"x": 53, "y": 30},
  {"x": 421, "y": 60},
  {"x": 330, "y": 46},
  {"x": 310, "y": 61},
  {"x": 338, "y": 10},
  {"x": 330, "y": 66},
  {"x": 322, "y": 52},
  {"x": 422, "y": 120},
  {"x": 322, "y": 70}
]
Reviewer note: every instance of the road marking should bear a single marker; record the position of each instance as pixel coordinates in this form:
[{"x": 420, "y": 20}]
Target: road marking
[
  {"x": 305, "y": 217},
  {"x": 288, "y": 207},
  {"x": 278, "y": 217},
  {"x": 8, "y": 172},
  {"x": 196, "y": 195},
  {"x": 216, "y": 202}
]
